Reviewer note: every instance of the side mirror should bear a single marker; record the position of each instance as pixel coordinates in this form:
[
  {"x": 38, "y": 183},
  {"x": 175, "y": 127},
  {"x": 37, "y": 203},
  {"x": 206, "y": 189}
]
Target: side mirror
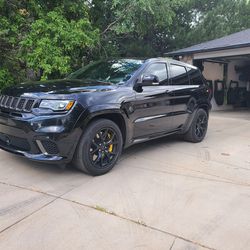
[{"x": 149, "y": 80}]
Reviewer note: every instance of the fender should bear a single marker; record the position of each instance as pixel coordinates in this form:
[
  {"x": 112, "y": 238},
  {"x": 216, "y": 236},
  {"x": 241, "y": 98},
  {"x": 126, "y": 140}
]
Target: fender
[{"x": 109, "y": 111}]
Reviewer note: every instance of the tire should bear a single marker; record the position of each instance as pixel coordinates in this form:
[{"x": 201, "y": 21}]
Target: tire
[
  {"x": 99, "y": 148},
  {"x": 198, "y": 129}
]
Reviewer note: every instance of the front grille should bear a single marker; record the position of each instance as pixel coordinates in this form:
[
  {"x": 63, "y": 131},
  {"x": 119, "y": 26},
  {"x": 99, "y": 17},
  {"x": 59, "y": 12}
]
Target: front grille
[
  {"x": 14, "y": 142},
  {"x": 14, "y": 103},
  {"x": 50, "y": 147},
  {"x": 17, "y": 103}
]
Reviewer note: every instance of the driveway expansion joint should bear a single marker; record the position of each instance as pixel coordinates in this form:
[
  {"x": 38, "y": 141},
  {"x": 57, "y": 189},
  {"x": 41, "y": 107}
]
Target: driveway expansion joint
[
  {"x": 96, "y": 208},
  {"x": 37, "y": 210},
  {"x": 138, "y": 222},
  {"x": 171, "y": 247}
]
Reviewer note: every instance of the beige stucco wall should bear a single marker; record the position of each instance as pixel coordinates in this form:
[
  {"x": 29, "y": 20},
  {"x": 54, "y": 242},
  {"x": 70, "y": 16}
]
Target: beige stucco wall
[
  {"x": 187, "y": 59},
  {"x": 213, "y": 71}
]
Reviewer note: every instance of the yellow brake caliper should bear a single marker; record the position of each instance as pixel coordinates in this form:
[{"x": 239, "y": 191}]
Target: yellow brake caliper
[{"x": 111, "y": 145}]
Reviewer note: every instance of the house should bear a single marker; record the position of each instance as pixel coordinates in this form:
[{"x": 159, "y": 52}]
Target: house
[{"x": 225, "y": 63}]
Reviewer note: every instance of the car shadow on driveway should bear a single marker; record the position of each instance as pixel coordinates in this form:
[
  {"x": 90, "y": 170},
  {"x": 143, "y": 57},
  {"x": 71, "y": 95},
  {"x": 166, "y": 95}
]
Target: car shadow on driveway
[
  {"x": 57, "y": 169},
  {"x": 152, "y": 144}
]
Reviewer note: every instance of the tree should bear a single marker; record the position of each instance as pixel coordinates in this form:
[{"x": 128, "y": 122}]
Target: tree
[
  {"x": 198, "y": 21},
  {"x": 54, "y": 44},
  {"x": 47, "y": 39},
  {"x": 227, "y": 17},
  {"x": 10, "y": 21},
  {"x": 135, "y": 27}
]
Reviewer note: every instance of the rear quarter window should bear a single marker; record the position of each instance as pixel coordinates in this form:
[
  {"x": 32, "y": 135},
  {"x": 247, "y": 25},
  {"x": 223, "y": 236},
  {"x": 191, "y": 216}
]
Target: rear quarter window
[
  {"x": 178, "y": 75},
  {"x": 195, "y": 76}
]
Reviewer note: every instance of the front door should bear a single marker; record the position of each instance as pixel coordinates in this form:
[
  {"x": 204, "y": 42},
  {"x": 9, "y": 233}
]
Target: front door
[{"x": 152, "y": 108}]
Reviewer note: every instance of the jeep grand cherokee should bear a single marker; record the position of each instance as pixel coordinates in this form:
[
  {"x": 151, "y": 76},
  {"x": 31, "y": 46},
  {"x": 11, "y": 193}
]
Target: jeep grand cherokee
[{"x": 90, "y": 116}]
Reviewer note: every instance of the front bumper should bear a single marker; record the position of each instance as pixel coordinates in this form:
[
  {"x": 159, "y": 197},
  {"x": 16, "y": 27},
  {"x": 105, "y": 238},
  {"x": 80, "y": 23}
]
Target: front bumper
[
  {"x": 51, "y": 139},
  {"x": 36, "y": 157}
]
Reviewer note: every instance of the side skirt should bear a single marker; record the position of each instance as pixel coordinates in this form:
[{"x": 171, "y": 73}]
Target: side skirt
[{"x": 154, "y": 136}]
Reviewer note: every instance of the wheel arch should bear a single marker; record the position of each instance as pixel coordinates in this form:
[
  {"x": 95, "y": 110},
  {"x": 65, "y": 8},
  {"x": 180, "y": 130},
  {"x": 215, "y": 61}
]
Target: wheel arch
[
  {"x": 205, "y": 107},
  {"x": 115, "y": 116}
]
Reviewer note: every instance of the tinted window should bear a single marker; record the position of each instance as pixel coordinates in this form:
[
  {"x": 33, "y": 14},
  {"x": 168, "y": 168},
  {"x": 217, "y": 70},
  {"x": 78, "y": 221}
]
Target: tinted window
[
  {"x": 195, "y": 76},
  {"x": 112, "y": 71},
  {"x": 178, "y": 75},
  {"x": 160, "y": 70}
]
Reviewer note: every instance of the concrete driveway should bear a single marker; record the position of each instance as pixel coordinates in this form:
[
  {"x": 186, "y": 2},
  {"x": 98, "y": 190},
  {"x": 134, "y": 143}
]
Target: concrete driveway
[{"x": 165, "y": 194}]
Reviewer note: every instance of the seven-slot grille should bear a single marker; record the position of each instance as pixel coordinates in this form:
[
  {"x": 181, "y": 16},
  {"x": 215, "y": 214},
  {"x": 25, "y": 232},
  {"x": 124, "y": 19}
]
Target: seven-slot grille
[{"x": 17, "y": 103}]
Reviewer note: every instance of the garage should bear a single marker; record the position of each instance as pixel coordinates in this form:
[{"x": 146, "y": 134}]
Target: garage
[{"x": 225, "y": 63}]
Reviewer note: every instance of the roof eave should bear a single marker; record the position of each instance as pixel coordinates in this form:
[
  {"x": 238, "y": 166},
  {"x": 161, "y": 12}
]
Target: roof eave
[{"x": 191, "y": 52}]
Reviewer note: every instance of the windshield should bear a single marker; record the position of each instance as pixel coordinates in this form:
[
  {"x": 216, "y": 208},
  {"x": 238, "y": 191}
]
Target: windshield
[{"x": 112, "y": 71}]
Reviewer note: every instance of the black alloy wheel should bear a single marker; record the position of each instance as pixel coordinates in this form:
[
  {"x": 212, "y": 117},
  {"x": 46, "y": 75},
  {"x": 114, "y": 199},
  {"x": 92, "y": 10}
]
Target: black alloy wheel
[
  {"x": 201, "y": 125},
  {"x": 103, "y": 148},
  {"x": 99, "y": 148},
  {"x": 198, "y": 128}
]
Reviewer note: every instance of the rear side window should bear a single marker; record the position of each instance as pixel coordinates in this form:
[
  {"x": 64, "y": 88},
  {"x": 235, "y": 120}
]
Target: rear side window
[
  {"x": 195, "y": 76},
  {"x": 159, "y": 70},
  {"x": 178, "y": 75}
]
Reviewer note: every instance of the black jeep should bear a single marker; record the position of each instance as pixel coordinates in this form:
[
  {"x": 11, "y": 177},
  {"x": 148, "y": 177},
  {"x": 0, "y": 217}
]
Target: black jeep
[{"x": 90, "y": 116}]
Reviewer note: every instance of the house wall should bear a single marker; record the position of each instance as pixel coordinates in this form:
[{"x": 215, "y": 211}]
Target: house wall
[{"x": 187, "y": 59}]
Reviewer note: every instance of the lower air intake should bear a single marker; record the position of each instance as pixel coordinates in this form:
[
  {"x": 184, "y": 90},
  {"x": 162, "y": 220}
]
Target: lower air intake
[{"x": 50, "y": 147}]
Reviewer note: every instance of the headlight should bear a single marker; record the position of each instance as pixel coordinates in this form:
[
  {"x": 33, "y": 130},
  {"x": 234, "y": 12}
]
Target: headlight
[{"x": 56, "y": 105}]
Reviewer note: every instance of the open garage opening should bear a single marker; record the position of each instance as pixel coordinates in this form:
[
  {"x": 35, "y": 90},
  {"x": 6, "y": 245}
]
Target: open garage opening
[
  {"x": 229, "y": 79},
  {"x": 225, "y": 63}
]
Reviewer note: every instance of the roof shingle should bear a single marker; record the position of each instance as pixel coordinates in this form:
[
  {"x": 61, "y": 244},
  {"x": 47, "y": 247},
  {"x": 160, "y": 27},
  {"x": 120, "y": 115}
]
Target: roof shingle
[{"x": 236, "y": 40}]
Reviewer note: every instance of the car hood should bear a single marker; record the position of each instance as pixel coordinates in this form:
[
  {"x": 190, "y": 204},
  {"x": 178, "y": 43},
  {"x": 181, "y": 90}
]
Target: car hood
[{"x": 63, "y": 87}]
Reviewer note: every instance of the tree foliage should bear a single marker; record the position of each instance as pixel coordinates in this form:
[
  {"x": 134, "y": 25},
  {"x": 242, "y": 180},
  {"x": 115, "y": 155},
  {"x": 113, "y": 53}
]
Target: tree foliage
[
  {"x": 135, "y": 27},
  {"x": 200, "y": 21},
  {"x": 54, "y": 44},
  {"x": 42, "y": 39}
]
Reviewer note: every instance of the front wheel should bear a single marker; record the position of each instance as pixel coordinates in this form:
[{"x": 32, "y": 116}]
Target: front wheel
[
  {"x": 99, "y": 148},
  {"x": 198, "y": 128}
]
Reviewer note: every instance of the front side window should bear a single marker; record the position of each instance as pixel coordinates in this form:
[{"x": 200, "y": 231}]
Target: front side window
[
  {"x": 195, "y": 76},
  {"x": 111, "y": 71},
  {"x": 178, "y": 75},
  {"x": 159, "y": 70}
]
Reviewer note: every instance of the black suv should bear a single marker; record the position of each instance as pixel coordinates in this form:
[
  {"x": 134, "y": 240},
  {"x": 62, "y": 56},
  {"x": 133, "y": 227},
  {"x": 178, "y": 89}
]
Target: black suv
[{"x": 90, "y": 116}]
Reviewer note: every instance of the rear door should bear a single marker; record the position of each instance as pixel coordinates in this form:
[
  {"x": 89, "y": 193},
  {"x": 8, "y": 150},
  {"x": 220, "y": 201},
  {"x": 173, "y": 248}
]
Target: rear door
[
  {"x": 152, "y": 108},
  {"x": 184, "y": 92}
]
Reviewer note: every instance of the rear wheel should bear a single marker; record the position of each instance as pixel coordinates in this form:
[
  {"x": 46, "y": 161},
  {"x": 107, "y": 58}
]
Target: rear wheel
[
  {"x": 198, "y": 128},
  {"x": 99, "y": 147}
]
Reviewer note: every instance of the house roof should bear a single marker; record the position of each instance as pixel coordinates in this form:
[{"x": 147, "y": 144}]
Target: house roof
[{"x": 237, "y": 40}]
